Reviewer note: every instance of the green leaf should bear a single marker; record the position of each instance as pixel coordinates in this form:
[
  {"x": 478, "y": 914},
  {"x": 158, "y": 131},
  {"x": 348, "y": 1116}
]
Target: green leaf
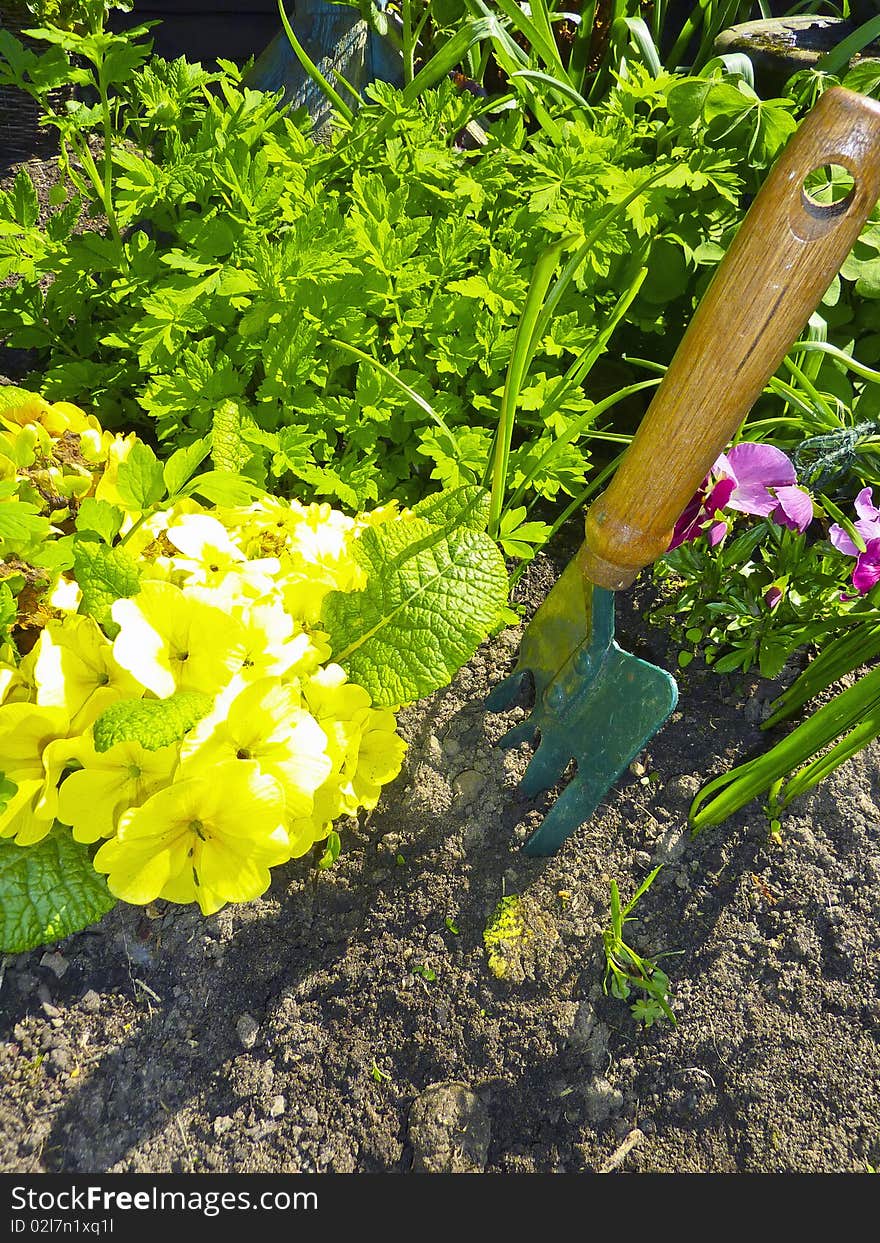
[
  {"x": 25, "y": 203},
  {"x": 432, "y": 596},
  {"x": 154, "y": 723},
  {"x": 222, "y": 487},
  {"x": 181, "y": 465},
  {"x": 230, "y": 449},
  {"x": 461, "y": 507},
  {"x": 21, "y": 522},
  {"x": 104, "y": 575},
  {"x": 140, "y": 480},
  {"x": 331, "y": 851},
  {"x": 11, "y": 397},
  {"x": 99, "y": 517},
  {"x": 48, "y": 891}
]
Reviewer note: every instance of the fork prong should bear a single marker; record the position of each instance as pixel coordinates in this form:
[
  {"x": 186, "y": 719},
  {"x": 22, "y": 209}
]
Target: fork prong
[
  {"x": 546, "y": 766},
  {"x": 568, "y": 813},
  {"x": 503, "y": 695},
  {"x": 523, "y": 732}
]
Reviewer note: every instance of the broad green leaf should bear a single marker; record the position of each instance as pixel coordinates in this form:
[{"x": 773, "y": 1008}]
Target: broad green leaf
[
  {"x": 460, "y": 507},
  {"x": 431, "y": 598},
  {"x": 48, "y": 891},
  {"x": 222, "y": 487},
  {"x": 11, "y": 397},
  {"x": 140, "y": 481},
  {"x": 21, "y": 523},
  {"x": 100, "y": 517},
  {"x": 154, "y": 723},
  {"x": 104, "y": 575},
  {"x": 181, "y": 465}
]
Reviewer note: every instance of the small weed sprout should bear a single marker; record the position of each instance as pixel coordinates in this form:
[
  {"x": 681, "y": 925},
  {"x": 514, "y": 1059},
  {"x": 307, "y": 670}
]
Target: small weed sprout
[{"x": 625, "y": 970}]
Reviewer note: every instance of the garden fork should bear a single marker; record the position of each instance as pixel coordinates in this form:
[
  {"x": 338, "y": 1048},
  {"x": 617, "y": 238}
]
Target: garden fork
[{"x": 595, "y": 703}]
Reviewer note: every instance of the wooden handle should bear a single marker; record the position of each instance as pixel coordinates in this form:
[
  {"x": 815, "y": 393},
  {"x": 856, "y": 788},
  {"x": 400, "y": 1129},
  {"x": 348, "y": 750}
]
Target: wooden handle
[{"x": 782, "y": 260}]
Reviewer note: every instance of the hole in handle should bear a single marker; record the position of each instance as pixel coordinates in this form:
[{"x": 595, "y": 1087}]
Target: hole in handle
[{"x": 828, "y": 191}]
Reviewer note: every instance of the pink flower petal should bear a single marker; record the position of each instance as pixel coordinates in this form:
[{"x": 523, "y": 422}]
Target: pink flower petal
[
  {"x": 719, "y": 497},
  {"x": 753, "y": 498},
  {"x": 716, "y": 533},
  {"x": 795, "y": 508},
  {"x": 842, "y": 541},
  {"x": 868, "y": 528},
  {"x": 760, "y": 464},
  {"x": 772, "y": 596},
  {"x": 864, "y": 506},
  {"x": 867, "y": 571}
]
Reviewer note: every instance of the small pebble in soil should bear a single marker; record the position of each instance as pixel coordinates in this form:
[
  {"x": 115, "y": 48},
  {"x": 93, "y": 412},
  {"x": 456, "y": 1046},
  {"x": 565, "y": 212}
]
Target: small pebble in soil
[
  {"x": 56, "y": 963},
  {"x": 248, "y": 1029}
]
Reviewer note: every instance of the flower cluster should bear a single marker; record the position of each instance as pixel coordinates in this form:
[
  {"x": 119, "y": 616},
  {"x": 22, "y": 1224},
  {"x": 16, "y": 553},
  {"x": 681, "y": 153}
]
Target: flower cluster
[
  {"x": 224, "y": 624},
  {"x": 752, "y": 479}
]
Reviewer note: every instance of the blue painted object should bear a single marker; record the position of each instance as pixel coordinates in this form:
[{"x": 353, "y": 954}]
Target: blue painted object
[{"x": 335, "y": 36}]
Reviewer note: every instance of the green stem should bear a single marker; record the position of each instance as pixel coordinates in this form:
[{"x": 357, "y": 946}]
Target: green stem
[
  {"x": 523, "y": 349},
  {"x": 312, "y": 69},
  {"x": 409, "y": 70}
]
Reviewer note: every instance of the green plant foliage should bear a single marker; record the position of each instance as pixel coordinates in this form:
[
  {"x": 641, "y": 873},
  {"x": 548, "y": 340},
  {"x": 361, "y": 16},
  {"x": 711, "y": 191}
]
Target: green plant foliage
[
  {"x": 722, "y": 603},
  {"x": 49, "y": 891},
  {"x": 153, "y": 723},
  {"x": 434, "y": 590},
  {"x": 242, "y": 266},
  {"x": 625, "y": 970}
]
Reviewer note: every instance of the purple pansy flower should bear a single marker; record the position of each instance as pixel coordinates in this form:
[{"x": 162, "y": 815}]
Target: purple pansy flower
[
  {"x": 867, "y": 571},
  {"x": 753, "y": 479}
]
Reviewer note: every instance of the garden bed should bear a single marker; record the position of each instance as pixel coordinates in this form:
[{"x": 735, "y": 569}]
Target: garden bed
[
  {"x": 307, "y": 1031},
  {"x": 436, "y": 999}
]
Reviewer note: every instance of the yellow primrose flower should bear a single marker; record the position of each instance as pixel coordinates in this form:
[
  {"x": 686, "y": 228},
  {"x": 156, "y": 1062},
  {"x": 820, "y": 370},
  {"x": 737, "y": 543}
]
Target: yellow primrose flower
[
  {"x": 30, "y": 409},
  {"x": 65, "y": 594},
  {"x": 379, "y": 758},
  {"x": 276, "y": 645},
  {"x": 63, "y": 416},
  {"x": 341, "y": 708},
  {"x": 265, "y": 723},
  {"x": 74, "y": 669},
  {"x": 209, "y": 838},
  {"x": 171, "y": 641},
  {"x": 34, "y": 748},
  {"x": 10, "y": 678},
  {"x": 110, "y": 782},
  {"x": 211, "y": 561},
  {"x": 117, "y": 452}
]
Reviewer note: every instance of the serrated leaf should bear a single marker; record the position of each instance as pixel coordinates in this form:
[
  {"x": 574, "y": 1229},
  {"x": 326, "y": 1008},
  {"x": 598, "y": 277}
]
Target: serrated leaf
[
  {"x": 180, "y": 466},
  {"x": 48, "y": 891},
  {"x": 104, "y": 575},
  {"x": 20, "y": 522},
  {"x": 461, "y": 507},
  {"x": 431, "y": 598},
  {"x": 100, "y": 517},
  {"x": 154, "y": 723},
  {"x": 139, "y": 481},
  {"x": 25, "y": 203}
]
